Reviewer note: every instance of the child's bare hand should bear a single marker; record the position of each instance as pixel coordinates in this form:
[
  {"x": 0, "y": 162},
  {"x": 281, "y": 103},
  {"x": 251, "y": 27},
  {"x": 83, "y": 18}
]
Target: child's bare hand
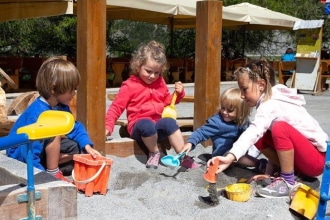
[
  {"x": 186, "y": 148},
  {"x": 107, "y": 133},
  {"x": 224, "y": 162},
  {"x": 178, "y": 87},
  {"x": 92, "y": 151}
]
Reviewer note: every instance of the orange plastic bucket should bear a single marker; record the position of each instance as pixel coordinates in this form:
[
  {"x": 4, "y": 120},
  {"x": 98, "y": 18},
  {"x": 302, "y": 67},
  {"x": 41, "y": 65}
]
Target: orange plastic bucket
[
  {"x": 210, "y": 175},
  {"x": 91, "y": 175}
]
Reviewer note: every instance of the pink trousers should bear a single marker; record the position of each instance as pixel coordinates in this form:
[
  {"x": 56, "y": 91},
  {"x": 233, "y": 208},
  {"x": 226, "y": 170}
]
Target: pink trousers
[{"x": 282, "y": 136}]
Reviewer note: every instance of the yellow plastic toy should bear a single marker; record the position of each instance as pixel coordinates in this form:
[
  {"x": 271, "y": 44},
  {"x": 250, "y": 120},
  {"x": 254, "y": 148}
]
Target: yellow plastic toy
[
  {"x": 305, "y": 201},
  {"x": 239, "y": 192},
  {"x": 49, "y": 124},
  {"x": 170, "y": 110}
]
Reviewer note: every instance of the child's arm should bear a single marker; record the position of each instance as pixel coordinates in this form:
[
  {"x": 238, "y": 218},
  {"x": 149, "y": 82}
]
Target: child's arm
[
  {"x": 90, "y": 150},
  {"x": 116, "y": 108},
  {"x": 179, "y": 88},
  {"x": 225, "y": 162},
  {"x": 80, "y": 135},
  {"x": 203, "y": 133}
]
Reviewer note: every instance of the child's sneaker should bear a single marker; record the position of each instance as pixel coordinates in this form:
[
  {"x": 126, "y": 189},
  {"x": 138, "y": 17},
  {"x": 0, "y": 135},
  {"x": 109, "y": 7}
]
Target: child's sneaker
[
  {"x": 189, "y": 163},
  {"x": 279, "y": 188},
  {"x": 59, "y": 175},
  {"x": 153, "y": 160}
]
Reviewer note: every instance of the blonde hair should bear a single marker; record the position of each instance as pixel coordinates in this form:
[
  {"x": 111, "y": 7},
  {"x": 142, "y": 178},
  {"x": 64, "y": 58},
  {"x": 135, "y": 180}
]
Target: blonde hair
[
  {"x": 231, "y": 99},
  {"x": 57, "y": 75},
  {"x": 152, "y": 50},
  {"x": 259, "y": 70}
]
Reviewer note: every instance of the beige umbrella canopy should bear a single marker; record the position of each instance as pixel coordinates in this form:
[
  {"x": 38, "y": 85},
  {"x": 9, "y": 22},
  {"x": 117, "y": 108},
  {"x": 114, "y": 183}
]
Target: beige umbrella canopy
[
  {"x": 258, "y": 18},
  {"x": 174, "y": 13},
  {"x": 253, "y": 17},
  {"x": 92, "y": 91},
  {"x": 179, "y": 14},
  {"x": 20, "y": 9},
  {"x": 182, "y": 14}
]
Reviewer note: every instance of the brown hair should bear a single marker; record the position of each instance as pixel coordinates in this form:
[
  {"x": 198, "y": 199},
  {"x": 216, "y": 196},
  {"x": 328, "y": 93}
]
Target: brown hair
[
  {"x": 231, "y": 99},
  {"x": 259, "y": 70},
  {"x": 152, "y": 50},
  {"x": 57, "y": 75}
]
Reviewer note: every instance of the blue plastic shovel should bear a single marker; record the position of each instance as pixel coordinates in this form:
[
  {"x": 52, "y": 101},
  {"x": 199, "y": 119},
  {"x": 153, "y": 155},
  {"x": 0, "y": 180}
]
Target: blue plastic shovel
[{"x": 172, "y": 161}]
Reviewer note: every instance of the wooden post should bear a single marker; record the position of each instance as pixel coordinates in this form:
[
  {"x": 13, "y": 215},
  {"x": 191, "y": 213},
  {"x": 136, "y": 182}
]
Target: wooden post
[
  {"x": 91, "y": 62},
  {"x": 207, "y": 60},
  {"x": 3, "y": 103}
]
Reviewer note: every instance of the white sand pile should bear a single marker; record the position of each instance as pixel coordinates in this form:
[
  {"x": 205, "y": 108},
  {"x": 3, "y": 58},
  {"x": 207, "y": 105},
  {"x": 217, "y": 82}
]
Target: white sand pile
[{"x": 139, "y": 193}]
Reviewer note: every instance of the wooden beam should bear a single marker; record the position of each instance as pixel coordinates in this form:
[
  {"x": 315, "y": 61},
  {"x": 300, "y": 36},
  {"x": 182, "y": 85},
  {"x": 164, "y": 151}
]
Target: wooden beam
[
  {"x": 91, "y": 62},
  {"x": 207, "y": 60},
  {"x": 125, "y": 147},
  {"x": 187, "y": 98}
]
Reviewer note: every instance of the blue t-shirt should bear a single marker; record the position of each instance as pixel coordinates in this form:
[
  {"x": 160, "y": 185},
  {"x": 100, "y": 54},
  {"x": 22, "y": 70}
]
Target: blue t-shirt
[
  {"x": 30, "y": 116},
  {"x": 289, "y": 57}
]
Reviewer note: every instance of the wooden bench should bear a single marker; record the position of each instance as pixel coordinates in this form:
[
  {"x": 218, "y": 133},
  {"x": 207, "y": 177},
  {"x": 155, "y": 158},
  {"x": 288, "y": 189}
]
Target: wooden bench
[
  {"x": 284, "y": 74},
  {"x": 12, "y": 67},
  {"x": 323, "y": 75},
  {"x": 182, "y": 122},
  {"x": 186, "y": 123},
  {"x": 125, "y": 146},
  {"x": 187, "y": 98}
]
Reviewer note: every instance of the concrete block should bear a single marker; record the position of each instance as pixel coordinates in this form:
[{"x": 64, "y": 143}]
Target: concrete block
[{"x": 58, "y": 198}]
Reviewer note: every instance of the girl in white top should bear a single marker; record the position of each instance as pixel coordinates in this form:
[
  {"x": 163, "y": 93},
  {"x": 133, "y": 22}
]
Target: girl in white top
[{"x": 282, "y": 130}]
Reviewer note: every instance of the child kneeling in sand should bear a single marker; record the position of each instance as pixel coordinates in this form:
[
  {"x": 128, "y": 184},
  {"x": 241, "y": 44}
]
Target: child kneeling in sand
[{"x": 225, "y": 127}]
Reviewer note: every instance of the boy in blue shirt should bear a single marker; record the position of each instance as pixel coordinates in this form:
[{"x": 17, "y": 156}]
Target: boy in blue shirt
[{"x": 56, "y": 83}]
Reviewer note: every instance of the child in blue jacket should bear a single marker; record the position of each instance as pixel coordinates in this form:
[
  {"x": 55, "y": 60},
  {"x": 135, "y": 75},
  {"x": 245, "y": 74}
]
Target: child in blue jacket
[
  {"x": 56, "y": 82},
  {"x": 289, "y": 55},
  {"x": 225, "y": 127}
]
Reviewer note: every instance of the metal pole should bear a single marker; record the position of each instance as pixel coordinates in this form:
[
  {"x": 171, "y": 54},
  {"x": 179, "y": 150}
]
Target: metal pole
[
  {"x": 324, "y": 189},
  {"x": 30, "y": 187}
]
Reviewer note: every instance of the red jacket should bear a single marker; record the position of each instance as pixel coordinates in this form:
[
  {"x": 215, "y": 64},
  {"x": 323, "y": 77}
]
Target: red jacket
[{"x": 140, "y": 100}]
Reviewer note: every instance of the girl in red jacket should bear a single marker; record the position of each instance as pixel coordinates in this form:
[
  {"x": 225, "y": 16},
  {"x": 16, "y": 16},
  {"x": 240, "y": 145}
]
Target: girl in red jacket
[{"x": 144, "y": 95}]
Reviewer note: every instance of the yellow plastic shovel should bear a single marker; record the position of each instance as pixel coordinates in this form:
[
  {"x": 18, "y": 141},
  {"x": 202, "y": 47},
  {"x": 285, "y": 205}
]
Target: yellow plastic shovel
[{"x": 170, "y": 110}]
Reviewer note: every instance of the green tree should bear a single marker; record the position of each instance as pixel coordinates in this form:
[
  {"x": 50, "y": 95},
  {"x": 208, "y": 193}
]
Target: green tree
[
  {"x": 14, "y": 38},
  {"x": 259, "y": 42},
  {"x": 39, "y": 36},
  {"x": 57, "y": 35},
  {"x": 123, "y": 37}
]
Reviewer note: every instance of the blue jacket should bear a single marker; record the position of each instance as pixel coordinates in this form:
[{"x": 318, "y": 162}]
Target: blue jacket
[
  {"x": 223, "y": 134},
  {"x": 288, "y": 57},
  {"x": 29, "y": 116}
]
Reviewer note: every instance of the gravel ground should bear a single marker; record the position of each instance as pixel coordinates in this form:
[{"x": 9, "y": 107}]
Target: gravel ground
[
  {"x": 135, "y": 192},
  {"x": 166, "y": 193}
]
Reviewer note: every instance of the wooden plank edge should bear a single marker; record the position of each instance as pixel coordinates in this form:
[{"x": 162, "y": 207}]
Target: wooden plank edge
[{"x": 125, "y": 147}]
